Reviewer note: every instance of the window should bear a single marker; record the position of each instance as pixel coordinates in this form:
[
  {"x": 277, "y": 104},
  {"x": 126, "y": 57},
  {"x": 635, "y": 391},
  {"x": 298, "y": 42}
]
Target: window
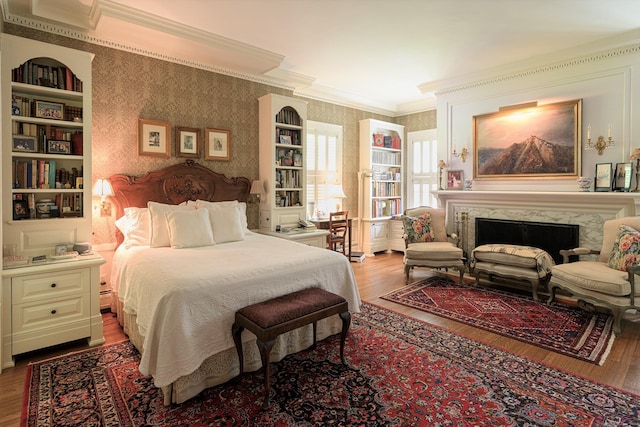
[
  {"x": 422, "y": 171},
  {"x": 324, "y": 168}
]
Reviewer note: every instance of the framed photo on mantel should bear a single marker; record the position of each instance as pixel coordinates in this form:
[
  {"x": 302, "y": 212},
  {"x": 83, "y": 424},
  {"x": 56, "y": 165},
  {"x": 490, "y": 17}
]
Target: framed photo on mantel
[{"x": 603, "y": 177}]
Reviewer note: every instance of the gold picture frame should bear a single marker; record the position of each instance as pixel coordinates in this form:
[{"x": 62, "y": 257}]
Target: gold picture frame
[
  {"x": 217, "y": 144},
  {"x": 501, "y": 142},
  {"x": 188, "y": 143},
  {"x": 153, "y": 138}
]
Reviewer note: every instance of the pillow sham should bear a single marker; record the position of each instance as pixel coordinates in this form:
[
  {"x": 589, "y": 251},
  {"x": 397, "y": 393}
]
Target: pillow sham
[
  {"x": 226, "y": 223},
  {"x": 159, "y": 236},
  {"x": 189, "y": 228},
  {"x": 626, "y": 248},
  {"x": 418, "y": 229},
  {"x": 242, "y": 212}
]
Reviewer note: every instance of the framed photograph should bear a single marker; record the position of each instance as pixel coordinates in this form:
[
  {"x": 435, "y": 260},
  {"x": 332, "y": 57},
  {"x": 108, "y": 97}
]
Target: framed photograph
[
  {"x": 217, "y": 144},
  {"x": 61, "y": 249},
  {"x": 153, "y": 138},
  {"x": 59, "y": 147},
  {"x": 24, "y": 143},
  {"x": 603, "y": 177},
  {"x": 297, "y": 159},
  {"x": 285, "y": 139},
  {"x": 622, "y": 181},
  {"x": 455, "y": 179},
  {"x": 20, "y": 209},
  {"x": 49, "y": 110},
  {"x": 532, "y": 142},
  {"x": 188, "y": 142}
]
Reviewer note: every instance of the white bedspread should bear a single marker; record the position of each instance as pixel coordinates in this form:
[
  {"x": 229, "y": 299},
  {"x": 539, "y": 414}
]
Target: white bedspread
[{"x": 185, "y": 299}]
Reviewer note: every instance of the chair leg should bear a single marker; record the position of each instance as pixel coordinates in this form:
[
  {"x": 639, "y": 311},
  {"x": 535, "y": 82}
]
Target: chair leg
[{"x": 407, "y": 269}]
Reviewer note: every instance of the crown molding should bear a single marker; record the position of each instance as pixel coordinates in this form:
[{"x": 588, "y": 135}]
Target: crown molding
[{"x": 627, "y": 43}]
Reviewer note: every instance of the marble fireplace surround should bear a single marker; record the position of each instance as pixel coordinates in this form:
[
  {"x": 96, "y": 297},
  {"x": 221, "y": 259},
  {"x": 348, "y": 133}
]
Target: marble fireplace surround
[{"x": 587, "y": 209}]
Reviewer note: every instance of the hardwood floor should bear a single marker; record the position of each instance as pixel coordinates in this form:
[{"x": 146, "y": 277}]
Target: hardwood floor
[{"x": 377, "y": 276}]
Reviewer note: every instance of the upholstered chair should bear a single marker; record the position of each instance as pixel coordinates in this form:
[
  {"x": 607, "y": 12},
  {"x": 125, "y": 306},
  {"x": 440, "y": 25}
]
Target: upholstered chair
[
  {"x": 427, "y": 243},
  {"x": 603, "y": 281}
]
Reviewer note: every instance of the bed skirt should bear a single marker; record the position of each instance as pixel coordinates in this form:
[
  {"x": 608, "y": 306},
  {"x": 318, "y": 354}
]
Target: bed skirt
[{"x": 223, "y": 366}]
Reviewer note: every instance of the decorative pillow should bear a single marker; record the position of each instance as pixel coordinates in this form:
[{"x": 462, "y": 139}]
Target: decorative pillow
[
  {"x": 226, "y": 224},
  {"x": 242, "y": 212},
  {"x": 626, "y": 248},
  {"x": 189, "y": 229},
  {"x": 418, "y": 229},
  {"x": 158, "y": 222},
  {"x": 139, "y": 233}
]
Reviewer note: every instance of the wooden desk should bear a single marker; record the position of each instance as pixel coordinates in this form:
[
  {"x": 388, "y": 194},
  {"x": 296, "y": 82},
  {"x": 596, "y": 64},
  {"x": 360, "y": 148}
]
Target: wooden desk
[{"x": 323, "y": 224}]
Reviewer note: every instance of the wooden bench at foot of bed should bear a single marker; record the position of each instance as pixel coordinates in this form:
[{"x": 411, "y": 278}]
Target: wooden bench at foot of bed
[{"x": 268, "y": 319}]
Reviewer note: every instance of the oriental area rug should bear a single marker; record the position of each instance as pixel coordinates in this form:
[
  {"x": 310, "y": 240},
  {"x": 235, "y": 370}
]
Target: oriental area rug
[
  {"x": 567, "y": 330},
  {"x": 399, "y": 372}
]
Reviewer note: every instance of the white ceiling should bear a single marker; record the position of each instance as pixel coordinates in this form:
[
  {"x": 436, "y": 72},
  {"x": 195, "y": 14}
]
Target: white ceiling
[{"x": 387, "y": 56}]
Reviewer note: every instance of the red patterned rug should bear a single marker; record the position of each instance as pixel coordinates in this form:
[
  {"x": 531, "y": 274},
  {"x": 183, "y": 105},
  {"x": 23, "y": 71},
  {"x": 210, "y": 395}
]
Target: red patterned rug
[
  {"x": 400, "y": 372},
  {"x": 566, "y": 330}
]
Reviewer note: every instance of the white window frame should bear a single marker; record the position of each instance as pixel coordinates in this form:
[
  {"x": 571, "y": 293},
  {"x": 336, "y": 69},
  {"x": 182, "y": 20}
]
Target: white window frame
[
  {"x": 324, "y": 183},
  {"x": 422, "y": 168}
]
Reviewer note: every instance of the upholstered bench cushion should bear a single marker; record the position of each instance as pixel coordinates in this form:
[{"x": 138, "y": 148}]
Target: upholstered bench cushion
[
  {"x": 514, "y": 255},
  {"x": 508, "y": 270},
  {"x": 594, "y": 276},
  {"x": 289, "y": 307},
  {"x": 433, "y": 251}
]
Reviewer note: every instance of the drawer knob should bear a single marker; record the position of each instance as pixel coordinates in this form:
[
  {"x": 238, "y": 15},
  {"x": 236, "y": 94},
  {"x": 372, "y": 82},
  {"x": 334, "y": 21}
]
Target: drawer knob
[
  {"x": 53, "y": 285},
  {"x": 54, "y": 311}
]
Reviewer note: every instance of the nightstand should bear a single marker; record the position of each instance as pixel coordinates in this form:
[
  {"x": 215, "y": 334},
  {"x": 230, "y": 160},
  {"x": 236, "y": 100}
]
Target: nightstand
[{"x": 317, "y": 238}]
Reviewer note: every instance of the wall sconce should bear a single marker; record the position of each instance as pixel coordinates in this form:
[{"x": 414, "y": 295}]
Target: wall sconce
[
  {"x": 600, "y": 144},
  {"x": 257, "y": 189},
  {"x": 103, "y": 189},
  {"x": 462, "y": 154}
]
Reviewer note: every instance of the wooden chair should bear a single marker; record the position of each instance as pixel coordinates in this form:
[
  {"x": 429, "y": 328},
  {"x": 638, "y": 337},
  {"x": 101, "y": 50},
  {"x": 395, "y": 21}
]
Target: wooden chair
[{"x": 338, "y": 226}]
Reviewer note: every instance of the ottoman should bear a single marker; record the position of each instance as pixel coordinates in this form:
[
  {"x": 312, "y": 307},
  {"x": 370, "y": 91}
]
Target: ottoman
[{"x": 514, "y": 262}]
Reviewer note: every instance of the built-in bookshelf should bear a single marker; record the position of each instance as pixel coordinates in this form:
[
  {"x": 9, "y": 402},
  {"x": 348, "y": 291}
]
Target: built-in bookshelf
[
  {"x": 380, "y": 182},
  {"x": 282, "y": 168},
  {"x": 49, "y": 295}
]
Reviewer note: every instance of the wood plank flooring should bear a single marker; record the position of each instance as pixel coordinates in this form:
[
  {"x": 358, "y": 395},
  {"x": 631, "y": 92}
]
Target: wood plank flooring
[{"x": 377, "y": 276}]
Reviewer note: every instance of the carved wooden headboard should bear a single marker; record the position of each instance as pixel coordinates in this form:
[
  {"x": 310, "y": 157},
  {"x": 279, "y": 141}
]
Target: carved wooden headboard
[{"x": 173, "y": 185}]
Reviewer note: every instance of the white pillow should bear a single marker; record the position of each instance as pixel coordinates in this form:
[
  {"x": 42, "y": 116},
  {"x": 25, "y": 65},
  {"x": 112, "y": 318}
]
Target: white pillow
[
  {"x": 226, "y": 224},
  {"x": 139, "y": 232},
  {"x": 158, "y": 223},
  {"x": 189, "y": 229},
  {"x": 242, "y": 212}
]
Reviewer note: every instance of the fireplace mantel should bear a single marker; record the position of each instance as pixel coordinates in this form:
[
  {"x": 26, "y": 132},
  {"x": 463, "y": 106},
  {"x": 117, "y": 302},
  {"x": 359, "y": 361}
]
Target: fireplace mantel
[{"x": 588, "y": 209}]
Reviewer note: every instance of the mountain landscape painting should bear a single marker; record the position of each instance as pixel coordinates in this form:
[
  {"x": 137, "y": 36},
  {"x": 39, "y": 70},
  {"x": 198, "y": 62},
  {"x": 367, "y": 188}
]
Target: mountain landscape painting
[{"x": 538, "y": 142}]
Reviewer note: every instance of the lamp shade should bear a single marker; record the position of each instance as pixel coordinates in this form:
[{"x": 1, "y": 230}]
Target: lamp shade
[
  {"x": 257, "y": 187},
  {"x": 102, "y": 188},
  {"x": 337, "y": 192}
]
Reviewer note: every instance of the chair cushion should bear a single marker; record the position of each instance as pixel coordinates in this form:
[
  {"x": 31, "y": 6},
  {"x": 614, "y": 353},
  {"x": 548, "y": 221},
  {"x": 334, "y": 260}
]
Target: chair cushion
[
  {"x": 433, "y": 251},
  {"x": 594, "y": 276},
  {"x": 418, "y": 228},
  {"x": 626, "y": 248}
]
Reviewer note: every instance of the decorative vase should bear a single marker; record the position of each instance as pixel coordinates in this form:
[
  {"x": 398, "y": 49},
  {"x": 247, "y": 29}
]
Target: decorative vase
[{"x": 584, "y": 183}]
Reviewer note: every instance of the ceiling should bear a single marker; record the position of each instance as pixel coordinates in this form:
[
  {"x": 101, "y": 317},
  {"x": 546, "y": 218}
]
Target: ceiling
[{"x": 386, "y": 56}]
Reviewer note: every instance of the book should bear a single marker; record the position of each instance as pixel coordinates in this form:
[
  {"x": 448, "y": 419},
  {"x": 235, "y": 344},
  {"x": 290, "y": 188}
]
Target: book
[{"x": 357, "y": 256}]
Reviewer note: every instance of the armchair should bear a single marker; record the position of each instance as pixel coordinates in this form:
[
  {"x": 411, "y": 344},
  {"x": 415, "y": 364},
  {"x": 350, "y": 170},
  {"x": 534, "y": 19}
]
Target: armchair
[
  {"x": 427, "y": 244},
  {"x": 608, "y": 281}
]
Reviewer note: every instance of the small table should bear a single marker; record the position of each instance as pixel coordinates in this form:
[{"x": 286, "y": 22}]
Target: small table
[{"x": 323, "y": 224}]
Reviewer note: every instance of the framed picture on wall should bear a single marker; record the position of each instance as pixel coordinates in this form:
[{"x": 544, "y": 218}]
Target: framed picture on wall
[
  {"x": 188, "y": 142},
  {"x": 603, "y": 177},
  {"x": 153, "y": 138},
  {"x": 217, "y": 144}
]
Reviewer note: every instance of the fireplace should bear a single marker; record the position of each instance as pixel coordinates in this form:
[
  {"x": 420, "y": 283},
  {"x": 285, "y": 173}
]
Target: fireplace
[{"x": 544, "y": 235}]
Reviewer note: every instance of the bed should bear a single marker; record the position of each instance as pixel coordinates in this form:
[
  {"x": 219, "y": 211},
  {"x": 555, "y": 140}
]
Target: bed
[{"x": 186, "y": 262}]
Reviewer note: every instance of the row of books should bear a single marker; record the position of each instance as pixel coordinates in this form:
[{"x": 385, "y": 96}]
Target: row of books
[
  {"x": 386, "y": 189},
  {"x": 56, "y": 76},
  {"x": 389, "y": 207},
  {"x": 287, "y": 198},
  {"x": 288, "y": 178},
  {"x": 64, "y": 205},
  {"x": 285, "y": 157},
  {"x": 386, "y": 141},
  {"x": 43, "y": 174},
  {"x": 40, "y": 131},
  {"x": 288, "y": 116},
  {"x": 386, "y": 157}
]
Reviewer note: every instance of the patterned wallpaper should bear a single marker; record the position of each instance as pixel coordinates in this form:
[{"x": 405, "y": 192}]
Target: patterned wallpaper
[{"x": 127, "y": 86}]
